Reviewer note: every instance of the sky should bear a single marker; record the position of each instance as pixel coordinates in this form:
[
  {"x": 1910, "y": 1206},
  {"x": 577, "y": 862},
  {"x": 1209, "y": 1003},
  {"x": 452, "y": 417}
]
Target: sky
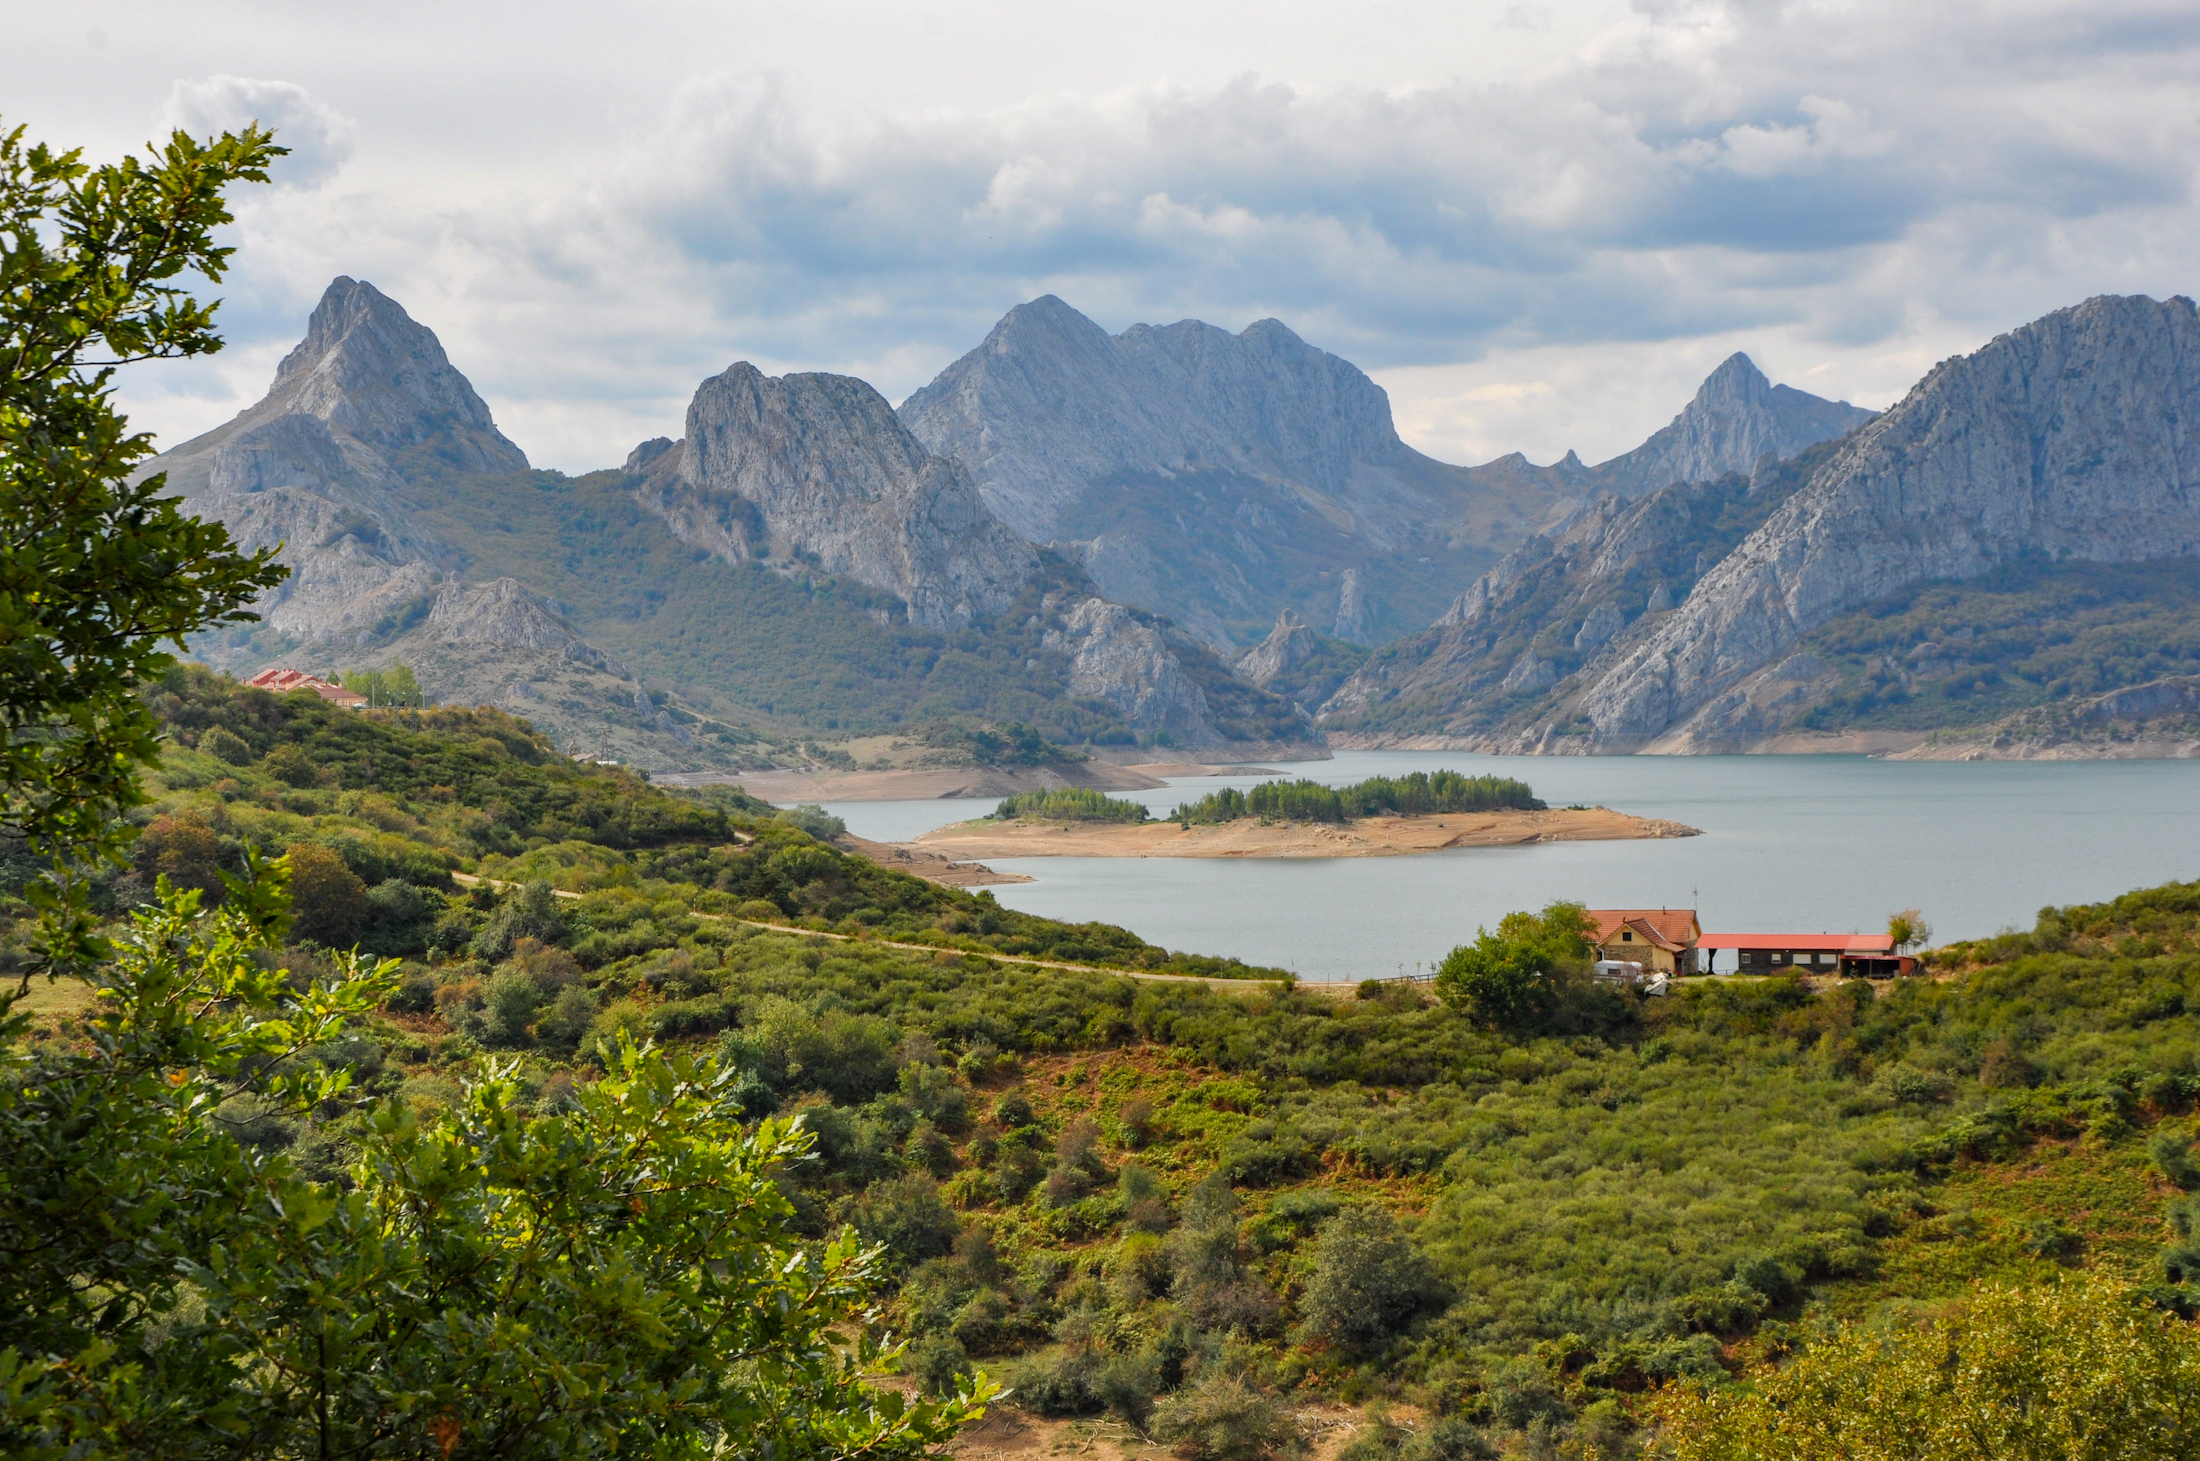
[{"x": 1537, "y": 225}]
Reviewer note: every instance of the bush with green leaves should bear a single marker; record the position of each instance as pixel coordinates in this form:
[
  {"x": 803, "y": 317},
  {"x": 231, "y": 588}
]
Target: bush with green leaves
[
  {"x": 1070, "y": 804},
  {"x": 1369, "y": 1282},
  {"x": 814, "y": 820},
  {"x": 2081, "y": 1371},
  {"x": 1223, "y": 1417}
]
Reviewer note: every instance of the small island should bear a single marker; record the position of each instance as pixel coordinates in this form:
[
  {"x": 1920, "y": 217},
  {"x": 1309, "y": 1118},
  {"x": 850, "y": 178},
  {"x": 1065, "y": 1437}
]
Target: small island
[{"x": 1381, "y": 817}]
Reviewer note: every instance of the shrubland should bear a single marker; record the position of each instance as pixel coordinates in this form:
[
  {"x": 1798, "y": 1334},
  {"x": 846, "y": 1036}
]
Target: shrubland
[{"x": 1518, "y": 1206}]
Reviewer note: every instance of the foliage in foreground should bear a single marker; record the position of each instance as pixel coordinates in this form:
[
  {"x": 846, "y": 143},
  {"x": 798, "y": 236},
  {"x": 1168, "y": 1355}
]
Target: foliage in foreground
[
  {"x": 613, "y": 1277},
  {"x": 1418, "y": 793},
  {"x": 2079, "y": 1371}
]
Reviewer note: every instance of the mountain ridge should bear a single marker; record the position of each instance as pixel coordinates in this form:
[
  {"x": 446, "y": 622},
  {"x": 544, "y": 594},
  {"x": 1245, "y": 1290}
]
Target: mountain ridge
[
  {"x": 1222, "y": 478},
  {"x": 2068, "y": 438},
  {"x": 399, "y": 506}
]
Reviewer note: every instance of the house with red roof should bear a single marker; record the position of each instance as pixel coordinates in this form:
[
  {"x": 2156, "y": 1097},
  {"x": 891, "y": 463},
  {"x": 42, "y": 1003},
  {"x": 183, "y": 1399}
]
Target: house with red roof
[
  {"x": 1850, "y": 955},
  {"x": 1661, "y": 940},
  {"x": 283, "y": 681}
]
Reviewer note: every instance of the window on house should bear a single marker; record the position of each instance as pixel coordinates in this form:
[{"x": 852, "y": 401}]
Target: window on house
[{"x": 1626, "y": 938}]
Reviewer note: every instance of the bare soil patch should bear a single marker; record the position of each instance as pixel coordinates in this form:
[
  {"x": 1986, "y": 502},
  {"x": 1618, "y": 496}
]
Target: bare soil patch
[{"x": 1250, "y": 837}]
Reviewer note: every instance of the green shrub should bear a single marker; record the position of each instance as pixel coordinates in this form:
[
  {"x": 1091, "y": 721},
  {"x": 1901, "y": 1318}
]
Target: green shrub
[
  {"x": 1369, "y": 1282},
  {"x": 328, "y": 902},
  {"x": 224, "y": 745},
  {"x": 1223, "y": 1418},
  {"x": 1070, "y": 804},
  {"x": 936, "y": 1362},
  {"x": 814, "y": 820}
]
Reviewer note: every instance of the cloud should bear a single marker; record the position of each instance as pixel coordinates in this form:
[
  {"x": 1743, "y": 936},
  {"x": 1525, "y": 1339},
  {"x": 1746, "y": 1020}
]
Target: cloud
[
  {"x": 1843, "y": 187},
  {"x": 319, "y": 138}
]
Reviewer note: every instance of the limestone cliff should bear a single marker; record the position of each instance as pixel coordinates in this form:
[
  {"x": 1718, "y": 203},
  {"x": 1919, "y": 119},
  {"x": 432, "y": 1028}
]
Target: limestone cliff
[
  {"x": 1216, "y": 478},
  {"x": 817, "y": 469},
  {"x": 344, "y": 463},
  {"x": 1738, "y": 418},
  {"x": 1221, "y": 478},
  {"x": 2071, "y": 440}
]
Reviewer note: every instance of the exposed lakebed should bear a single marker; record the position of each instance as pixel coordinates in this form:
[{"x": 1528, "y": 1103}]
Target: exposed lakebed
[{"x": 1790, "y": 844}]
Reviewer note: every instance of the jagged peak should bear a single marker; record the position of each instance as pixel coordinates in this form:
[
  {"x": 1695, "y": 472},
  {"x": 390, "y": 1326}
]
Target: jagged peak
[{"x": 369, "y": 369}]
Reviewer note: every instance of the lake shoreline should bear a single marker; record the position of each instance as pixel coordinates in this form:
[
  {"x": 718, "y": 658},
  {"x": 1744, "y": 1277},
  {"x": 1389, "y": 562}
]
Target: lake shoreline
[{"x": 1250, "y": 837}]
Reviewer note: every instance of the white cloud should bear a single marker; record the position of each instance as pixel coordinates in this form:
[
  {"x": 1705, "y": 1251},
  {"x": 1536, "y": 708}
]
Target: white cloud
[
  {"x": 319, "y": 138},
  {"x": 1536, "y": 252}
]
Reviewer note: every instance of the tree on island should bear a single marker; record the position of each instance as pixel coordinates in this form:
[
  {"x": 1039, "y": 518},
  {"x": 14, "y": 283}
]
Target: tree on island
[{"x": 616, "y": 1277}]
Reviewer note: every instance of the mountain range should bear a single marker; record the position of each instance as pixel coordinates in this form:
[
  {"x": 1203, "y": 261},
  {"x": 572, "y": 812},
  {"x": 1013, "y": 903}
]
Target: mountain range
[
  {"x": 1179, "y": 536},
  {"x": 795, "y": 568},
  {"x": 1221, "y": 479},
  {"x": 2016, "y": 533}
]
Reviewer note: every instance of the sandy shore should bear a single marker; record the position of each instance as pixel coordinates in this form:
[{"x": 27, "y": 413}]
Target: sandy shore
[
  {"x": 1368, "y": 837},
  {"x": 933, "y": 867},
  {"x": 928, "y": 783}
]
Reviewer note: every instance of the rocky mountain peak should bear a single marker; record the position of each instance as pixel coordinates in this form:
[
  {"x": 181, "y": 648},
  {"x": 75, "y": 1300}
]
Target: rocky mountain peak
[
  {"x": 1738, "y": 417},
  {"x": 1051, "y": 404},
  {"x": 2073, "y": 437},
  {"x": 1290, "y": 644},
  {"x": 818, "y": 468},
  {"x": 369, "y": 371}
]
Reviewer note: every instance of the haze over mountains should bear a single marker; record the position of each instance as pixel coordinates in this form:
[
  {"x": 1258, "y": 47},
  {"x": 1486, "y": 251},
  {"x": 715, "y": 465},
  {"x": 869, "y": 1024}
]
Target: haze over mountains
[{"x": 1024, "y": 537}]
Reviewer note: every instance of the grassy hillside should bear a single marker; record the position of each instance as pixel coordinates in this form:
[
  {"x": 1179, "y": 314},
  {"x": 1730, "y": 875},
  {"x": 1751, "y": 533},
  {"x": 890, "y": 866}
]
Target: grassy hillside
[{"x": 1130, "y": 1193}]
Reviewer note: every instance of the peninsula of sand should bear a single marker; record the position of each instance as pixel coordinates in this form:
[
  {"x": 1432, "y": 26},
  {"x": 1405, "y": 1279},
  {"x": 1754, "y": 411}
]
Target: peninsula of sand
[{"x": 1384, "y": 836}]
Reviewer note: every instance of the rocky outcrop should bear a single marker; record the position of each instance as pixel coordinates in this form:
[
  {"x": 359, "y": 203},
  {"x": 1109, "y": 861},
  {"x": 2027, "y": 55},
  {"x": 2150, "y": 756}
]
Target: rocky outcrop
[
  {"x": 1290, "y": 644},
  {"x": 323, "y": 465},
  {"x": 505, "y": 611},
  {"x": 817, "y": 469},
  {"x": 356, "y": 443},
  {"x": 1737, "y": 419},
  {"x": 1215, "y": 477},
  {"x": 1117, "y": 657},
  {"x": 2075, "y": 438},
  {"x": 1219, "y": 478}
]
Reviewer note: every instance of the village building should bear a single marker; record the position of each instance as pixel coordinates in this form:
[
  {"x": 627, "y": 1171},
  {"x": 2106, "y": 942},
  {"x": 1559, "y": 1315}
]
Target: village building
[
  {"x": 282, "y": 682},
  {"x": 1851, "y": 955},
  {"x": 1662, "y": 940}
]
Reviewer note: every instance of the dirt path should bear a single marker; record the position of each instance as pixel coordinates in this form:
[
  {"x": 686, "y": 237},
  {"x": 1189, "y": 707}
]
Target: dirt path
[
  {"x": 1235, "y": 985},
  {"x": 1251, "y": 837}
]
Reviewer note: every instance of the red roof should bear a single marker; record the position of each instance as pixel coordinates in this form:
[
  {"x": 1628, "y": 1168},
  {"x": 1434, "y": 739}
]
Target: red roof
[
  {"x": 1817, "y": 943},
  {"x": 1665, "y": 928},
  {"x": 283, "y": 681}
]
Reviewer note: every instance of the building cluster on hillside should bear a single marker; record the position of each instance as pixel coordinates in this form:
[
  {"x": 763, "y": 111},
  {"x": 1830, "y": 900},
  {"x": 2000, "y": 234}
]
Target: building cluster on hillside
[
  {"x": 1639, "y": 945},
  {"x": 283, "y": 681}
]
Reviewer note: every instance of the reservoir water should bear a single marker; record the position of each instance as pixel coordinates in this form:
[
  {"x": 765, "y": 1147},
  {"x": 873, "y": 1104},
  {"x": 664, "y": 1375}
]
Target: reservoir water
[{"x": 1791, "y": 844}]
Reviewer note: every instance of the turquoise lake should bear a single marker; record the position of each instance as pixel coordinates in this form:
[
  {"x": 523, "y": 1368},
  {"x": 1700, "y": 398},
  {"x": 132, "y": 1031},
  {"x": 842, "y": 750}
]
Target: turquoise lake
[{"x": 1790, "y": 844}]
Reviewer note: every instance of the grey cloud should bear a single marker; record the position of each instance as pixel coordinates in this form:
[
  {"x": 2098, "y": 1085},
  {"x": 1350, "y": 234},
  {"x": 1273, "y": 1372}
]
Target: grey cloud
[{"x": 1836, "y": 171}]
